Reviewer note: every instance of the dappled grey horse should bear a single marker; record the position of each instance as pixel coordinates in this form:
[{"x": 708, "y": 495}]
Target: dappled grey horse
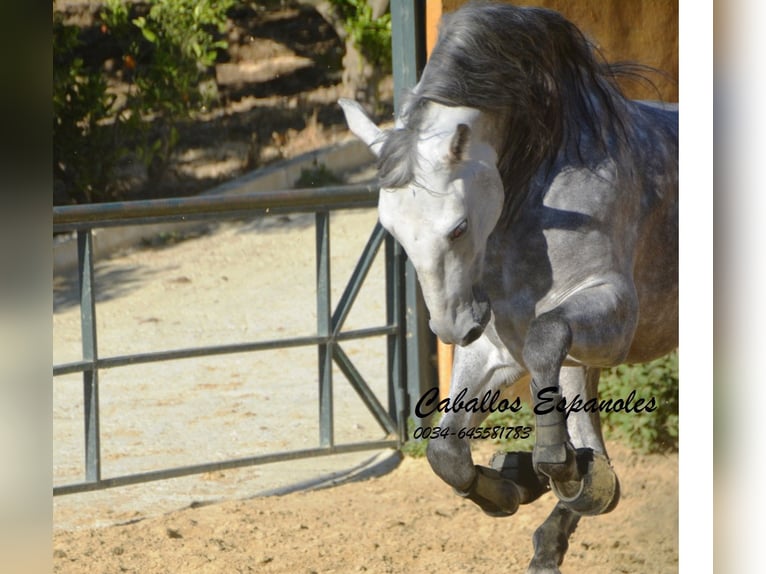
[{"x": 539, "y": 208}]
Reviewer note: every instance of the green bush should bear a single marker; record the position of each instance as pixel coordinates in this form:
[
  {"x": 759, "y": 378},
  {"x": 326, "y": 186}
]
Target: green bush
[
  {"x": 372, "y": 36},
  {"x": 645, "y": 432},
  {"x": 317, "y": 176},
  {"x": 167, "y": 50},
  {"x": 525, "y": 418},
  {"x": 84, "y": 150},
  {"x": 167, "y": 55}
]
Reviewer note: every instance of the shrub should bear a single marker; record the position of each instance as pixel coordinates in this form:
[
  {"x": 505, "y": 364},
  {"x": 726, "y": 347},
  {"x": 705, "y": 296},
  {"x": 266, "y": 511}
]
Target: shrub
[
  {"x": 645, "y": 432},
  {"x": 84, "y": 150},
  {"x": 317, "y": 176},
  {"x": 167, "y": 49},
  {"x": 168, "y": 53},
  {"x": 372, "y": 36}
]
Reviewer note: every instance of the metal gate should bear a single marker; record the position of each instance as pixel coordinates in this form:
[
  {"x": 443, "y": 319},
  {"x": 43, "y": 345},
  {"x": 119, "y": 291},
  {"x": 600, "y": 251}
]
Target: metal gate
[
  {"x": 409, "y": 345},
  {"x": 329, "y": 332}
]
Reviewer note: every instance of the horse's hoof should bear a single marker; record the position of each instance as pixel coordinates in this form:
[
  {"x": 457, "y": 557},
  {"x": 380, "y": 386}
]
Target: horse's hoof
[
  {"x": 518, "y": 467},
  {"x": 597, "y": 492},
  {"x": 496, "y": 496},
  {"x": 557, "y": 462}
]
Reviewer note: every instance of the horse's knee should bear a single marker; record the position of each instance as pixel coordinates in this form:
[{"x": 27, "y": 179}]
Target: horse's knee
[
  {"x": 546, "y": 345},
  {"x": 451, "y": 460}
]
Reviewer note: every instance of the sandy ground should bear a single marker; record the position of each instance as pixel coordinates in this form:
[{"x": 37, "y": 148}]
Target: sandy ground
[
  {"x": 254, "y": 280},
  {"x": 405, "y": 521}
]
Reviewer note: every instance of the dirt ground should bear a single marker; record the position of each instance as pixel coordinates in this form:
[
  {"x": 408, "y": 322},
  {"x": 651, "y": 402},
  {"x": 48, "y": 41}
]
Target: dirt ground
[{"x": 403, "y": 522}]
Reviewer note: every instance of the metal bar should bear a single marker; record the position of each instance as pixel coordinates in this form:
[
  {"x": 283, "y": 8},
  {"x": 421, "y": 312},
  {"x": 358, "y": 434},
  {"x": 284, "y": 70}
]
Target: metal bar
[
  {"x": 90, "y": 355},
  {"x": 409, "y": 57},
  {"x": 407, "y": 44},
  {"x": 357, "y": 278},
  {"x": 363, "y": 390},
  {"x": 195, "y": 352},
  {"x": 367, "y": 332},
  {"x": 218, "y": 206},
  {"x": 324, "y": 326},
  {"x": 396, "y": 356},
  {"x": 224, "y": 465}
]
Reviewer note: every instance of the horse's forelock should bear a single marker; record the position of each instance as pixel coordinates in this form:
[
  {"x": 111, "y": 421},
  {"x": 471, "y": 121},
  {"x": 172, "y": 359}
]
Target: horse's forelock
[{"x": 398, "y": 158}]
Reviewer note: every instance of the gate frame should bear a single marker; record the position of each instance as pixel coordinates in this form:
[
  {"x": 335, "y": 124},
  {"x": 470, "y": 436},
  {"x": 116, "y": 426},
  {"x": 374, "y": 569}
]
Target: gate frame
[{"x": 85, "y": 218}]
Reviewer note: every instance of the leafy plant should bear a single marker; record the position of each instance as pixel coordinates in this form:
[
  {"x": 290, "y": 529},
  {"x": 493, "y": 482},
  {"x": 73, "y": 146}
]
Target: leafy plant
[
  {"x": 371, "y": 35},
  {"x": 655, "y": 431},
  {"x": 525, "y": 418},
  {"x": 412, "y": 447},
  {"x": 645, "y": 432},
  {"x": 84, "y": 152},
  {"x": 317, "y": 176},
  {"x": 167, "y": 56},
  {"x": 167, "y": 49}
]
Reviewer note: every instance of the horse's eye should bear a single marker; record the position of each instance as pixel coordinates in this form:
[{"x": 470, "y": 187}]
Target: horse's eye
[{"x": 459, "y": 230}]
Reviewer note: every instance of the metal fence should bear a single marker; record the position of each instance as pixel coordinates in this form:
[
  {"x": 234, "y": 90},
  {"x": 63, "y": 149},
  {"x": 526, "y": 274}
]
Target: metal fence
[
  {"x": 329, "y": 332},
  {"x": 410, "y": 346}
]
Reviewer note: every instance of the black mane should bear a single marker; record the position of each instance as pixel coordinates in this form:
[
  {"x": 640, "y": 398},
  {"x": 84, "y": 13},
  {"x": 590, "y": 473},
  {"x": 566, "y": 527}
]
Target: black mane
[{"x": 533, "y": 70}]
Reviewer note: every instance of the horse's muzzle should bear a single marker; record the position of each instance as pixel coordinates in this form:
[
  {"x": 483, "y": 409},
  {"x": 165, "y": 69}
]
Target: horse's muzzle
[
  {"x": 469, "y": 324},
  {"x": 481, "y": 311}
]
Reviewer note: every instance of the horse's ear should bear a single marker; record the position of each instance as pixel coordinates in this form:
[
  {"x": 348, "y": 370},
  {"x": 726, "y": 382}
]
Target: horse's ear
[
  {"x": 361, "y": 125},
  {"x": 458, "y": 144}
]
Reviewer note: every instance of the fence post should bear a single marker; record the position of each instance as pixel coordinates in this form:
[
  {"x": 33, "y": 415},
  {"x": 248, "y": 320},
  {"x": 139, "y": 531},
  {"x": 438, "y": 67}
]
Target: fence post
[
  {"x": 89, "y": 354},
  {"x": 408, "y": 53},
  {"x": 324, "y": 328},
  {"x": 396, "y": 349}
]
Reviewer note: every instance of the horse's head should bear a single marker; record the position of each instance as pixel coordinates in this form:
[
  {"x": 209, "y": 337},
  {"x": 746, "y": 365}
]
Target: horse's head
[{"x": 441, "y": 205}]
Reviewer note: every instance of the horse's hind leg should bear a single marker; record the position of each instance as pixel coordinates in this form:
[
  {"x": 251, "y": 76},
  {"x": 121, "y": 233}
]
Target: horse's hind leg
[
  {"x": 597, "y": 489},
  {"x": 551, "y": 540}
]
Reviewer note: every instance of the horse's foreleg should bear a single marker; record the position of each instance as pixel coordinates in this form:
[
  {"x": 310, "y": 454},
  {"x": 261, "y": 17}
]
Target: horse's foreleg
[
  {"x": 545, "y": 348},
  {"x": 450, "y": 456},
  {"x": 597, "y": 491},
  {"x": 482, "y": 368},
  {"x": 594, "y": 327}
]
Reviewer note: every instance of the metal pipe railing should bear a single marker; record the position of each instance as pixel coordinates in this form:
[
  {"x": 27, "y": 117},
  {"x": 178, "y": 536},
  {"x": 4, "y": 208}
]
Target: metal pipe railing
[
  {"x": 85, "y": 218},
  {"x": 73, "y": 217}
]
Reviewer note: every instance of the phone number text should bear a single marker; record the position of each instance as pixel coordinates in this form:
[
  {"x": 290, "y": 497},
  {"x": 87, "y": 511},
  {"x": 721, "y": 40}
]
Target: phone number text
[{"x": 496, "y": 432}]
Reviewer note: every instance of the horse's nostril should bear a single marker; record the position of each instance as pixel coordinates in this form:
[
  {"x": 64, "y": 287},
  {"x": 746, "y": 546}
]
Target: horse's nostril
[{"x": 472, "y": 335}]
